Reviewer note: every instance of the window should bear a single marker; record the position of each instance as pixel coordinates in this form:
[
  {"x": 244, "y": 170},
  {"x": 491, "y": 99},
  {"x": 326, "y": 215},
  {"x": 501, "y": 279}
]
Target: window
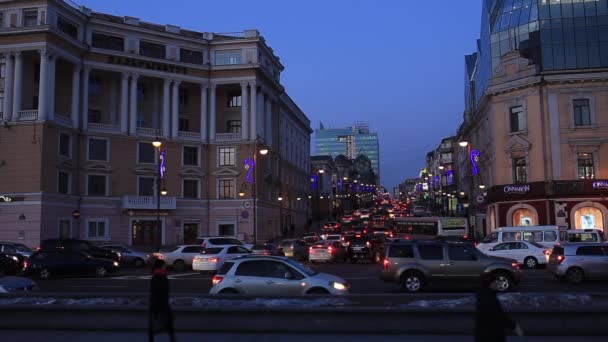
[
  {"x": 184, "y": 125},
  {"x": 190, "y": 155},
  {"x": 94, "y": 116},
  {"x": 67, "y": 27},
  {"x": 97, "y": 229},
  {"x": 64, "y": 145},
  {"x": 2, "y": 25},
  {"x": 184, "y": 97},
  {"x": 518, "y": 119},
  {"x": 233, "y": 126},
  {"x": 190, "y": 188},
  {"x": 511, "y": 236},
  {"x": 430, "y": 252},
  {"x": 234, "y": 99},
  {"x": 98, "y": 149},
  {"x": 582, "y": 114},
  {"x": 226, "y": 229},
  {"x": 590, "y": 250},
  {"x": 492, "y": 238},
  {"x": 190, "y": 233},
  {"x": 228, "y": 57},
  {"x": 63, "y": 182},
  {"x": 146, "y": 153},
  {"x": 190, "y": 56},
  {"x": 461, "y": 253},
  {"x": 520, "y": 174},
  {"x": 550, "y": 236},
  {"x": 227, "y": 156},
  {"x": 96, "y": 185},
  {"x": 533, "y": 236},
  {"x": 502, "y": 247},
  {"x": 585, "y": 166},
  {"x": 152, "y": 50},
  {"x": 397, "y": 251},
  {"x": 524, "y": 217},
  {"x": 251, "y": 269},
  {"x": 193, "y": 249},
  {"x": 30, "y": 17},
  {"x": 519, "y": 245},
  {"x": 226, "y": 188},
  {"x": 103, "y": 41},
  {"x": 65, "y": 229},
  {"x": 588, "y": 218},
  {"x": 145, "y": 186}
]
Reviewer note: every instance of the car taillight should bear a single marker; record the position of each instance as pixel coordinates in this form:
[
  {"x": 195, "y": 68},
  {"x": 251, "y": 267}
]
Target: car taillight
[
  {"x": 214, "y": 260},
  {"x": 38, "y": 248},
  {"x": 24, "y": 264},
  {"x": 515, "y": 264},
  {"x": 310, "y": 249},
  {"x": 159, "y": 256},
  {"x": 560, "y": 258},
  {"x": 368, "y": 244},
  {"x": 466, "y": 237},
  {"x": 546, "y": 251},
  {"x": 330, "y": 250},
  {"x": 216, "y": 280},
  {"x": 385, "y": 263}
]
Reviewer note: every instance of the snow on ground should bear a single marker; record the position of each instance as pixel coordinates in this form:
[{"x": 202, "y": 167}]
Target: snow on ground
[{"x": 513, "y": 301}]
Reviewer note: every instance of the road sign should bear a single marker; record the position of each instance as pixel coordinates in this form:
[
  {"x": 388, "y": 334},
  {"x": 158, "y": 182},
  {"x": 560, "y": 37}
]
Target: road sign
[{"x": 459, "y": 208}]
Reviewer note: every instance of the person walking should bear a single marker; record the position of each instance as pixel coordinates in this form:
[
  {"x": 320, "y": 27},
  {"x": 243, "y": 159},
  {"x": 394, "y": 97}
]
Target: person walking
[
  {"x": 491, "y": 323},
  {"x": 160, "y": 315}
]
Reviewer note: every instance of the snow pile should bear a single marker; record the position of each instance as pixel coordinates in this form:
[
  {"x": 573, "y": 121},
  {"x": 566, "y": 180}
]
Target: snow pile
[{"x": 514, "y": 301}]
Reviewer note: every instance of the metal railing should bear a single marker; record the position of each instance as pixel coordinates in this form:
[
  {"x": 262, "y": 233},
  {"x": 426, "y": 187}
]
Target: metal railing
[
  {"x": 26, "y": 115},
  {"x": 63, "y": 120},
  {"x": 147, "y": 202},
  {"x": 102, "y": 128},
  {"x": 227, "y": 137},
  {"x": 151, "y": 132},
  {"x": 189, "y": 135}
]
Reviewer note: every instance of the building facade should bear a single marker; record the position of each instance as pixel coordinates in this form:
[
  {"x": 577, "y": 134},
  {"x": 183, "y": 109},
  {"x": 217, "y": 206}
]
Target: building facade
[
  {"x": 533, "y": 144},
  {"x": 84, "y": 94}
]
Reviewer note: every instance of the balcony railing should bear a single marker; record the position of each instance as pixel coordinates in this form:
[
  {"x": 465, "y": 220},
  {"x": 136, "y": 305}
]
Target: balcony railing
[
  {"x": 102, "y": 128},
  {"x": 63, "y": 120},
  {"x": 150, "y": 132},
  {"x": 227, "y": 137},
  {"x": 26, "y": 115},
  {"x": 196, "y": 136},
  {"x": 147, "y": 202}
]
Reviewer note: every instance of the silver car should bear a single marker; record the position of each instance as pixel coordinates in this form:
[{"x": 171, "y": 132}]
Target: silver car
[
  {"x": 129, "y": 255},
  {"x": 295, "y": 248},
  {"x": 577, "y": 262},
  {"x": 274, "y": 276}
]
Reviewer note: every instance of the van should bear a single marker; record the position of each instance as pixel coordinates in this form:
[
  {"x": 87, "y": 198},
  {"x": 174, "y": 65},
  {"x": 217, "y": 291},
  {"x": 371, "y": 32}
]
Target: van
[{"x": 547, "y": 236}]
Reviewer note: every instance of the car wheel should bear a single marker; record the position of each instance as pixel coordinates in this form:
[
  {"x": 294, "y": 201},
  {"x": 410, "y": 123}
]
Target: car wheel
[
  {"x": 139, "y": 262},
  {"x": 45, "y": 274},
  {"x": 101, "y": 272},
  {"x": 228, "y": 291},
  {"x": 575, "y": 275},
  {"x": 179, "y": 266},
  {"x": 503, "y": 281},
  {"x": 412, "y": 282},
  {"x": 531, "y": 262},
  {"x": 317, "y": 291}
]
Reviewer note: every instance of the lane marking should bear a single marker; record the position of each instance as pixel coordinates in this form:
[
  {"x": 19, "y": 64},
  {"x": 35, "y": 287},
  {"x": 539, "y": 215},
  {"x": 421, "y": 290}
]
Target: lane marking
[{"x": 99, "y": 286}]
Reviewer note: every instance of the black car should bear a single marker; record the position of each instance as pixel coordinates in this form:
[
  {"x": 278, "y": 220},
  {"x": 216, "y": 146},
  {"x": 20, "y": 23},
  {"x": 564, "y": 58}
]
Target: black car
[
  {"x": 10, "y": 264},
  {"x": 80, "y": 246},
  {"x": 48, "y": 263},
  {"x": 268, "y": 248},
  {"x": 359, "y": 248}
]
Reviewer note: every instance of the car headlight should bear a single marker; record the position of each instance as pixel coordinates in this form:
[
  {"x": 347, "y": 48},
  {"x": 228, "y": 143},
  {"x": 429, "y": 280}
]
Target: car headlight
[
  {"x": 15, "y": 258},
  {"x": 115, "y": 263},
  {"x": 119, "y": 254},
  {"x": 338, "y": 286}
]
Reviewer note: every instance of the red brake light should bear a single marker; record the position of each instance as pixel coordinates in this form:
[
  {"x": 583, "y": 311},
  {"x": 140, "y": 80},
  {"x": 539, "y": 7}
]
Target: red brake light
[
  {"x": 466, "y": 237},
  {"x": 560, "y": 258},
  {"x": 216, "y": 280},
  {"x": 515, "y": 264},
  {"x": 38, "y": 248},
  {"x": 330, "y": 249},
  {"x": 368, "y": 244},
  {"x": 24, "y": 264},
  {"x": 310, "y": 249},
  {"x": 546, "y": 251},
  {"x": 385, "y": 263},
  {"x": 214, "y": 260}
]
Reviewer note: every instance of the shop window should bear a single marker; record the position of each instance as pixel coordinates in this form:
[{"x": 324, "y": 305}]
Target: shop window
[
  {"x": 588, "y": 217},
  {"x": 524, "y": 217},
  {"x": 585, "y": 166}
]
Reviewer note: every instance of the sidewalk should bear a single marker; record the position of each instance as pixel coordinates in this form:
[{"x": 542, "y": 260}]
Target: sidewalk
[{"x": 93, "y": 336}]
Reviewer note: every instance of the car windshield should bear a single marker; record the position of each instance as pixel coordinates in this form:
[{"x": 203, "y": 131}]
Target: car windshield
[
  {"x": 212, "y": 250},
  {"x": 22, "y": 248},
  {"x": 301, "y": 267}
]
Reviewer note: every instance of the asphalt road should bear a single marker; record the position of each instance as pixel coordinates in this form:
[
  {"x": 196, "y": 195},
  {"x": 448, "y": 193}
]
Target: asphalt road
[{"x": 363, "y": 278}]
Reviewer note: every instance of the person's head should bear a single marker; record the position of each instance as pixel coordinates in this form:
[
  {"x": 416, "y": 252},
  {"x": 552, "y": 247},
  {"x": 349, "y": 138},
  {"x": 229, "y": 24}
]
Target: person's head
[{"x": 158, "y": 264}]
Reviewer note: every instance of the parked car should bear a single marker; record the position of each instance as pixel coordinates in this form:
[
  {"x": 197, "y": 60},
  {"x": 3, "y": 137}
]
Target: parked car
[
  {"x": 268, "y": 248},
  {"x": 9, "y": 264},
  {"x": 79, "y": 246},
  {"x": 129, "y": 255},
  {"x": 211, "y": 259},
  {"x": 416, "y": 264},
  {"x": 50, "y": 262},
  {"x": 13, "y": 284},
  {"x": 274, "y": 276},
  {"x": 179, "y": 257},
  {"x": 214, "y": 241},
  {"x": 530, "y": 254},
  {"x": 327, "y": 251},
  {"x": 577, "y": 262},
  {"x": 12, "y": 247},
  {"x": 295, "y": 248}
]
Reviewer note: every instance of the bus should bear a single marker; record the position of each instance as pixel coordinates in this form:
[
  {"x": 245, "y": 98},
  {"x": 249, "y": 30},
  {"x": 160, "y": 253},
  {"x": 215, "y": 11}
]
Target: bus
[{"x": 412, "y": 228}]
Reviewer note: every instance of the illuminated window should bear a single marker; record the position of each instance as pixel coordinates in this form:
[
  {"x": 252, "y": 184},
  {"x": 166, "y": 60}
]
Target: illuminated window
[
  {"x": 585, "y": 166},
  {"x": 524, "y": 217},
  {"x": 588, "y": 217}
]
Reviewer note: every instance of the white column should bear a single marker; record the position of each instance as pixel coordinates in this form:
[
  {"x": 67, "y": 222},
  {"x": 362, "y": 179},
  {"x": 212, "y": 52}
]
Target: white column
[
  {"x": 114, "y": 96},
  {"x": 268, "y": 121},
  {"x": 51, "y": 86},
  {"x": 212, "y": 114},
  {"x": 18, "y": 85},
  {"x": 244, "y": 111},
  {"x": 166, "y": 107},
  {"x": 254, "y": 109},
  {"x": 133, "y": 106},
  {"x": 175, "y": 110},
  {"x": 155, "y": 112},
  {"x": 75, "y": 95},
  {"x": 124, "y": 103},
  {"x": 86, "y": 72},
  {"x": 42, "y": 89},
  {"x": 8, "y": 87},
  {"x": 204, "y": 113}
]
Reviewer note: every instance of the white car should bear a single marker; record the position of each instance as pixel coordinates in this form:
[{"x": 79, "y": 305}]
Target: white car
[
  {"x": 528, "y": 253},
  {"x": 212, "y": 258},
  {"x": 332, "y": 237},
  {"x": 217, "y": 241},
  {"x": 179, "y": 257},
  {"x": 365, "y": 214}
]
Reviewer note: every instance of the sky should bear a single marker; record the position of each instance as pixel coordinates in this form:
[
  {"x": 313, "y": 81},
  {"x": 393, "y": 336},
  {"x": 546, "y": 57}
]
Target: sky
[{"x": 398, "y": 64}]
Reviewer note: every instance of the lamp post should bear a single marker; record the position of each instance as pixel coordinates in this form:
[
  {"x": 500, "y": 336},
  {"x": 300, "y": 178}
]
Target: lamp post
[
  {"x": 159, "y": 176},
  {"x": 263, "y": 151}
]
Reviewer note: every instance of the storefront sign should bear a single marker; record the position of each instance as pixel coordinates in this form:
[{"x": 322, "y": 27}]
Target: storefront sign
[
  {"x": 5, "y": 199},
  {"x": 600, "y": 185},
  {"x": 516, "y": 189},
  {"x": 138, "y": 63},
  {"x": 474, "y": 160}
]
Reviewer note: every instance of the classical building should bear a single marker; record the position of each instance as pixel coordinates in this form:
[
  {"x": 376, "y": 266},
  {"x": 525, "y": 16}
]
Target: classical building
[
  {"x": 441, "y": 172},
  {"x": 84, "y": 95},
  {"x": 534, "y": 137}
]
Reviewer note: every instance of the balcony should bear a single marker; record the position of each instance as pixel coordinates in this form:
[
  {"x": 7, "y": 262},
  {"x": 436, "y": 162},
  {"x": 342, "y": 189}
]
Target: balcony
[
  {"x": 28, "y": 115},
  {"x": 102, "y": 128},
  {"x": 148, "y": 132},
  {"x": 190, "y": 136},
  {"x": 147, "y": 202},
  {"x": 227, "y": 137}
]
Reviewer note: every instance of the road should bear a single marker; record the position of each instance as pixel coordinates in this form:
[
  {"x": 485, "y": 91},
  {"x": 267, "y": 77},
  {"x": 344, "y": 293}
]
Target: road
[{"x": 363, "y": 278}]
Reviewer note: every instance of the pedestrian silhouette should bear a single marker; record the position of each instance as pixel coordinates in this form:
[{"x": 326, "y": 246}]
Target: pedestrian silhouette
[
  {"x": 160, "y": 315},
  {"x": 491, "y": 323}
]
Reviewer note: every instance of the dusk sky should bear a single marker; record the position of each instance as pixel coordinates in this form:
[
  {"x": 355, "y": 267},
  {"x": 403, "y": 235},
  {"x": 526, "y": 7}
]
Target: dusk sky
[{"x": 397, "y": 64}]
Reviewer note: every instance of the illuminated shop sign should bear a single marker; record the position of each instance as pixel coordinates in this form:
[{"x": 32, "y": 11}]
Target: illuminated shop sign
[
  {"x": 5, "y": 199},
  {"x": 600, "y": 185},
  {"x": 249, "y": 166},
  {"x": 516, "y": 189},
  {"x": 474, "y": 159}
]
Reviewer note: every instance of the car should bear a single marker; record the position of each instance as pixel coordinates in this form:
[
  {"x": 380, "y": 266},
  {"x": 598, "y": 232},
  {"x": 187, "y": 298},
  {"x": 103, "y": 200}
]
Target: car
[
  {"x": 327, "y": 251},
  {"x": 528, "y": 253},
  {"x": 378, "y": 245},
  {"x": 416, "y": 264},
  {"x": 129, "y": 255},
  {"x": 311, "y": 240},
  {"x": 12, "y": 247},
  {"x": 12, "y": 284},
  {"x": 214, "y": 241},
  {"x": 384, "y": 231},
  {"x": 9, "y": 264},
  {"x": 274, "y": 276},
  {"x": 50, "y": 262},
  {"x": 331, "y": 226},
  {"x": 364, "y": 214},
  {"x": 332, "y": 237},
  {"x": 347, "y": 219},
  {"x": 80, "y": 246},
  {"x": 268, "y": 248},
  {"x": 586, "y": 235},
  {"x": 361, "y": 230},
  {"x": 212, "y": 258},
  {"x": 179, "y": 257},
  {"x": 577, "y": 262},
  {"x": 295, "y": 248},
  {"x": 378, "y": 221},
  {"x": 359, "y": 248}
]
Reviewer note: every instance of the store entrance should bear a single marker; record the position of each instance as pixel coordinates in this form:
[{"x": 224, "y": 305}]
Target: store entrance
[{"x": 145, "y": 232}]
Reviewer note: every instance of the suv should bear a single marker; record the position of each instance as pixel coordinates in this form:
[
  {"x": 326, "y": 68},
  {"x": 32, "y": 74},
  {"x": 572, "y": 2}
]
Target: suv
[
  {"x": 76, "y": 245},
  {"x": 359, "y": 247},
  {"x": 415, "y": 264},
  {"x": 218, "y": 241},
  {"x": 273, "y": 276},
  {"x": 576, "y": 262}
]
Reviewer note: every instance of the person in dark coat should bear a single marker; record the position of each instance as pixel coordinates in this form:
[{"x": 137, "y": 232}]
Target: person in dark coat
[
  {"x": 160, "y": 316},
  {"x": 491, "y": 323}
]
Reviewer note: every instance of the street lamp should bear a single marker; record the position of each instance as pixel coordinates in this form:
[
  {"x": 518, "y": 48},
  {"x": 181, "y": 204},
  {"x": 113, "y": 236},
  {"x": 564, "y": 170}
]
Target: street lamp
[
  {"x": 159, "y": 191},
  {"x": 262, "y": 150},
  {"x": 463, "y": 143},
  {"x": 280, "y": 199},
  {"x": 482, "y": 186},
  {"x": 441, "y": 167}
]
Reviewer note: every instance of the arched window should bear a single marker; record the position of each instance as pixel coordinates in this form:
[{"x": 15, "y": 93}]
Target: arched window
[
  {"x": 524, "y": 217},
  {"x": 588, "y": 217}
]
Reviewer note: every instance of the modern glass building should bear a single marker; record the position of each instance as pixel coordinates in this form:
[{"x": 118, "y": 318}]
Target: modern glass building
[
  {"x": 350, "y": 141},
  {"x": 555, "y": 35}
]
